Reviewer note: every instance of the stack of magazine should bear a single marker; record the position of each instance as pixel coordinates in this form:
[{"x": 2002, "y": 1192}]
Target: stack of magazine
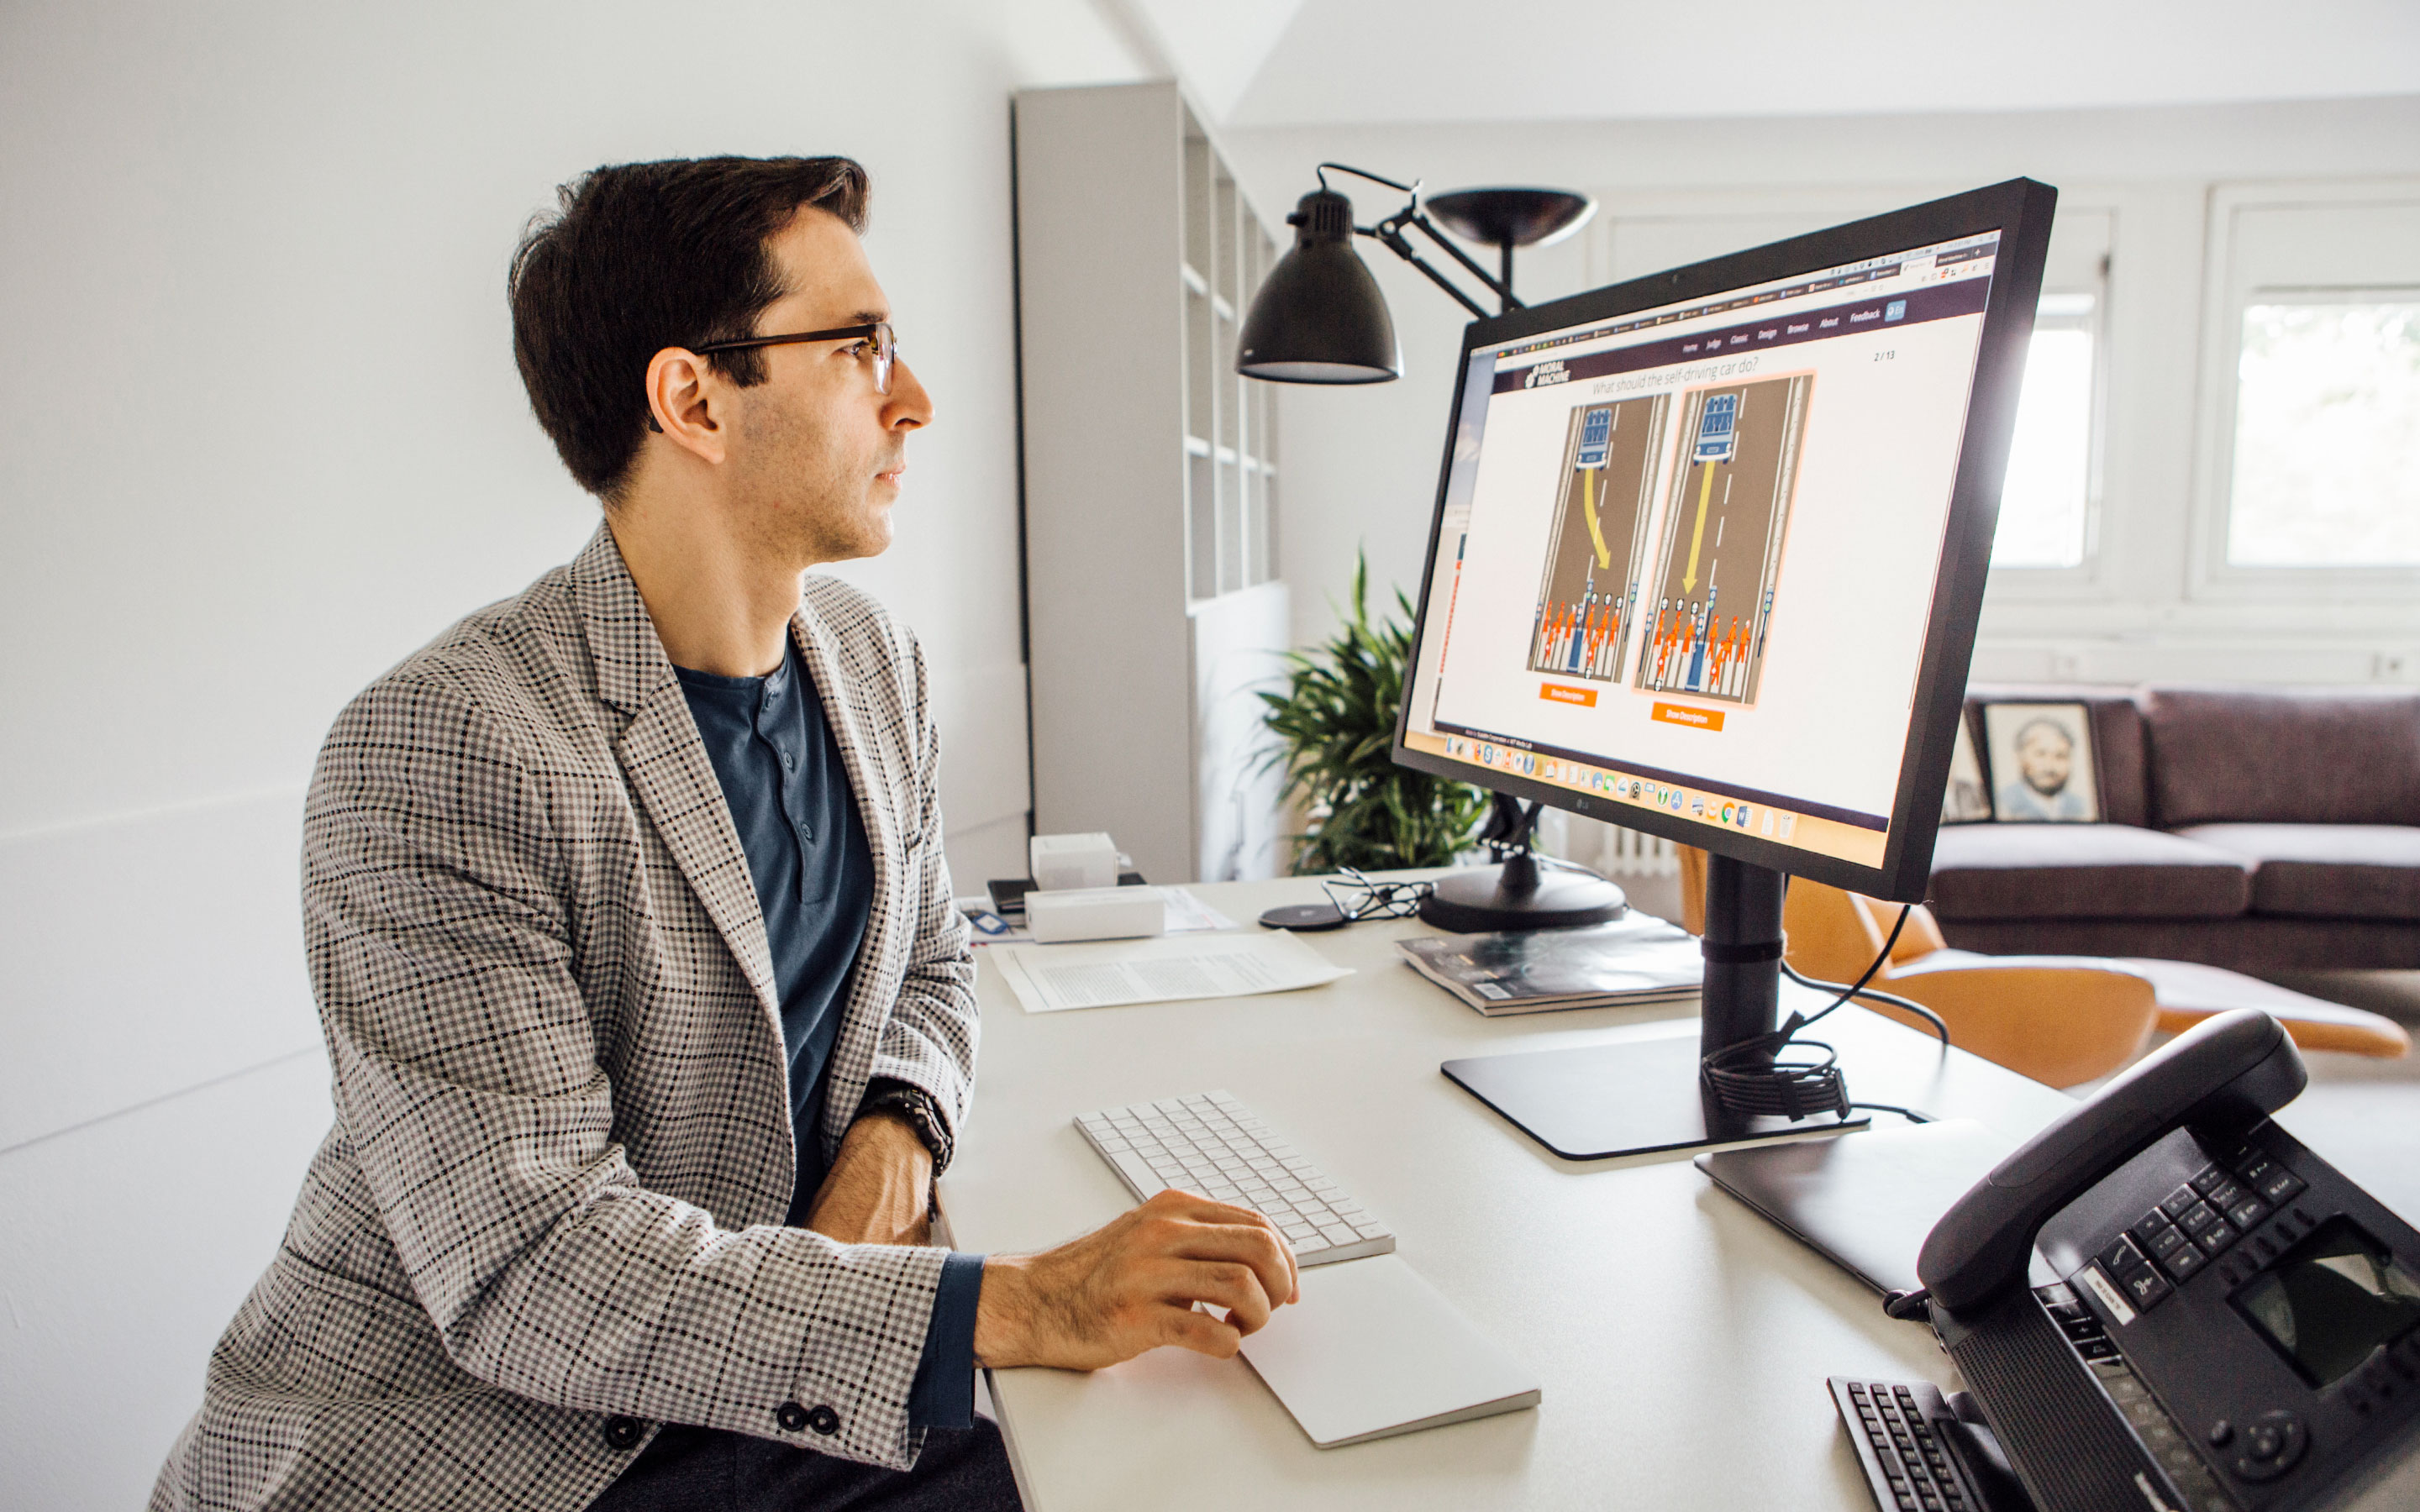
[{"x": 1635, "y": 960}]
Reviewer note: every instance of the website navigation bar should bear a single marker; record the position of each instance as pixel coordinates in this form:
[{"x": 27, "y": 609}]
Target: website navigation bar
[
  {"x": 1933, "y": 301},
  {"x": 1874, "y": 270}
]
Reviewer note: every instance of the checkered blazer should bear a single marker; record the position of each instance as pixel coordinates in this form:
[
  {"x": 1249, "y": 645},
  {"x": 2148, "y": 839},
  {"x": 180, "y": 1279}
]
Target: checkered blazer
[{"x": 548, "y": 1215}]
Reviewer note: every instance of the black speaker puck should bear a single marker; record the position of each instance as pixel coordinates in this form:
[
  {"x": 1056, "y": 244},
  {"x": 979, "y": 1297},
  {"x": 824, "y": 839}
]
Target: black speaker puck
[{"x": 1304, "y": 918}]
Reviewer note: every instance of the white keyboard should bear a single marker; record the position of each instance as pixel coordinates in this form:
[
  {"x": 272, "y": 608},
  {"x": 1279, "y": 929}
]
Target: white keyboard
[{"x": 1213, "y": 1145}]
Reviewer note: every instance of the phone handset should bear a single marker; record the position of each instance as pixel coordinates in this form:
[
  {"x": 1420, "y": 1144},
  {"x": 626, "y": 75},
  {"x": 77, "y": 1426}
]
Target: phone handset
[{"x": 2225, "y": 1075}]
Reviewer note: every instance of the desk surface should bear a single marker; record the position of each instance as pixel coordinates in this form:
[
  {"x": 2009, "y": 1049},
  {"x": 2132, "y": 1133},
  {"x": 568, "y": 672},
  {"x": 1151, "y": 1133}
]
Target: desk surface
[{"x": 1682, "y": 1340}]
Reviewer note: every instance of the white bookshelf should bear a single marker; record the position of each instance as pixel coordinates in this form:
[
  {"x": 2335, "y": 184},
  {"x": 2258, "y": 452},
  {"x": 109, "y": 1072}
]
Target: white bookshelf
[{"x": 1154, "y": 608}]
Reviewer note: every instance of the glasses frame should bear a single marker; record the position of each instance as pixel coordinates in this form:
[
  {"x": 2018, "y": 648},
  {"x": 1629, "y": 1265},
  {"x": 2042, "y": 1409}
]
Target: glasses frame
[
  {"x": 885, "y": 345},
  {"x": 1357, "y": 897}
]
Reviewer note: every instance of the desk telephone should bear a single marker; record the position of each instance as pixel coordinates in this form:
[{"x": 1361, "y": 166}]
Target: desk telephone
[{"x": 2236, "y": 1328}]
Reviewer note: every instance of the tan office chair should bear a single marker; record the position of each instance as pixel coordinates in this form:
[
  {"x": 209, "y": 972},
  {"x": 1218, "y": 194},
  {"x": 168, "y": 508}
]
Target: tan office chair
[
  {"x": 2052, "y": 1018},
  {"x": 2059, "y": 1024}
]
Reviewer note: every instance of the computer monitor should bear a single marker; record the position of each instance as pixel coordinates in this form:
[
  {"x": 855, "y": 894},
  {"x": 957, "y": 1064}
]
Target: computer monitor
[{"x": 1710, "y": 547}]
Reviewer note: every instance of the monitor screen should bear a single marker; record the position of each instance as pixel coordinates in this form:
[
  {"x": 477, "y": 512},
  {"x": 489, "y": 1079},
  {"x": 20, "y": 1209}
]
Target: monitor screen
[{"x": 1694, "y": 560}]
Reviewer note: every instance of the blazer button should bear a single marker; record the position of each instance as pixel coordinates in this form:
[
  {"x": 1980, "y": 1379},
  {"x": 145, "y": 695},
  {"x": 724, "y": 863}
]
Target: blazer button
[
  {"x": 624, "y": 1432},
  {"x": 791, "y": 1417},
  {"x": 824, "y": 1421}
]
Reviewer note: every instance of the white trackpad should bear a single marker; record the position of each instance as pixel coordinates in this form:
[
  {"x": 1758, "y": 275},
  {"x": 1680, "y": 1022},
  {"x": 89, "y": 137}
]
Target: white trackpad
[{"x": 1372, "y": 1350}]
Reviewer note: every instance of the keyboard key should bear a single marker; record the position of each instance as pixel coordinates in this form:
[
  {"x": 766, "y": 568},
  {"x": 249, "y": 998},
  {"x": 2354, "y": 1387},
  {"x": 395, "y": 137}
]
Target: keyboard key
[
  {"x": 2120, "y": 1256},
  {"x": 2146, "y": 1287},
  {"x": 2179, "y": 1202},
  {"x": 2247, "y": 1213},
  {"x": 1212, "y": 1144}
]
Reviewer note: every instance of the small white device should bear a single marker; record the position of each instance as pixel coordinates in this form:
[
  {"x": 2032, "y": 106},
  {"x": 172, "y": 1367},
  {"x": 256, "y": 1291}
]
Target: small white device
[
  {"x": 1065, "y": 862},
  {"x": 1096, "y": 914},
  {"x": 1373, "y": 1351},
  {"x": 1213, "y": 1145}
]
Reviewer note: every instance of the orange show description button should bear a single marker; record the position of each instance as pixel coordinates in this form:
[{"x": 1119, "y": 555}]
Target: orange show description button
[
  {"x": 1558, "y": 693},
  {"x": 1694, "y": 718}
]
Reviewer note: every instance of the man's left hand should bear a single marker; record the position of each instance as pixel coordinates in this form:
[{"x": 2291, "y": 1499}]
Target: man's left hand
[{"x": 878, "y": 1186}]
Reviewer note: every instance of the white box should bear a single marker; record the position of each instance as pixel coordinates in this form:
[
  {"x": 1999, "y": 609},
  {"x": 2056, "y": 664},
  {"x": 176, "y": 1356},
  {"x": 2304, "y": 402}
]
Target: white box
[
  {"x": 1065, "y": 862},
  {"x": 1096, "y": 914}
]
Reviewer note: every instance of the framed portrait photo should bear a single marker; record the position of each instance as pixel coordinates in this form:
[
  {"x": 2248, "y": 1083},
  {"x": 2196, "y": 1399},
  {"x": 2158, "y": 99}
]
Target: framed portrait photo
[
  {"x": 2043, "y": 769},
  {"x": 1969, "y": 799}
]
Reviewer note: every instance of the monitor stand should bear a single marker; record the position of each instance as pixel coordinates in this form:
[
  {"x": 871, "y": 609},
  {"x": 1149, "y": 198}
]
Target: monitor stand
[
  {"x": 1635, "y": 1097},
  {"x": 1516, "y": 893}
]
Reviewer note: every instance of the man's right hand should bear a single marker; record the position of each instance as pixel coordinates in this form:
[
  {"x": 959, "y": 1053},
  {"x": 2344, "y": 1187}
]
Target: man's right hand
[{"x": 1131, "y": 1285}]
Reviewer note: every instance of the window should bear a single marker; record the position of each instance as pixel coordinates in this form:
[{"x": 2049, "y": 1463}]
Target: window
[
  {"x": 2046, "y": 502},
  {"x": 2327, "y": 432}
]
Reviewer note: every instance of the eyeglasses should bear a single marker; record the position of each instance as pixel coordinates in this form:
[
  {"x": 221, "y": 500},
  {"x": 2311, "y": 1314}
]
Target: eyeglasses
[
  {"x": 1358, "y": 898},
  {"x": 885, "y": 345}
]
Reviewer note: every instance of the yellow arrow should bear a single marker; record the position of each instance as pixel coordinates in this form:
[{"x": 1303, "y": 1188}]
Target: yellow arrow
[
  {"x": 1689, "y": 579},
  {"x": 1588, "y": 487}
]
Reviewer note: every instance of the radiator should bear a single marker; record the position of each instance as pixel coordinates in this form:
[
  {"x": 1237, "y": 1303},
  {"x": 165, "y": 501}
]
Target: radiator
[{"x": 1605, "y": 848}]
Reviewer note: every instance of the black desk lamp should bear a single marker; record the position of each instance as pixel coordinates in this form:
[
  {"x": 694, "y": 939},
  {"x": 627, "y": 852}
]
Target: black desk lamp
[
  {"x": 1319, "y": 319},
  {"x": 1318, "y": 316}
]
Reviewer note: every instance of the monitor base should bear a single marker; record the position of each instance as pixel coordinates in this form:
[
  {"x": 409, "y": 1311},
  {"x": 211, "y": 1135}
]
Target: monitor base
[
  {"x": 1637, "y": 1097},
  {"x": 1519, "y": 894}
]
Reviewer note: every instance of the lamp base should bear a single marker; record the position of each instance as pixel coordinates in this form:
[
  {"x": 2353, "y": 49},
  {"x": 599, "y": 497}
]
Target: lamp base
[{"x": 1519, "y": 894}]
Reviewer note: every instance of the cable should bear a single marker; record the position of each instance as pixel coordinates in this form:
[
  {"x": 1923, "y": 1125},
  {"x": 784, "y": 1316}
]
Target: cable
[
  {"x": 1906, "y": 1005},
  {"x": 1751, "y": 1078},
  {"x": 1911, "y": 1114}
]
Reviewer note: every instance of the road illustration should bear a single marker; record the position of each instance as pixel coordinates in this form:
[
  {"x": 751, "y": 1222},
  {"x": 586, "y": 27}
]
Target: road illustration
[
  {"x": 1726, "y": 519},
  {"x": 1599, "y": 540}
]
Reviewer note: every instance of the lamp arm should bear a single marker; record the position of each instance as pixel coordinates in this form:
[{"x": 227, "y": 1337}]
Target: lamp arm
[
  {"x": 1411, "y": 213},
  {"x": 1387, "y": 235}
]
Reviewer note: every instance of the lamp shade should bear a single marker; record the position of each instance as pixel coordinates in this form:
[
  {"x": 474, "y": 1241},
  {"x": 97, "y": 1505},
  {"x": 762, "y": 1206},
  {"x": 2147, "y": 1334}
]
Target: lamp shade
[{"x": 1318, "y": 316}]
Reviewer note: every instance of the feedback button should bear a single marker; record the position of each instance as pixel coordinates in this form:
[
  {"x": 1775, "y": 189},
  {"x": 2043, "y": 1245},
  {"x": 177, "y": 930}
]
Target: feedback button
[
  {"x": 1556, "y": 693},
  {"x": 1694, "y": 718}
]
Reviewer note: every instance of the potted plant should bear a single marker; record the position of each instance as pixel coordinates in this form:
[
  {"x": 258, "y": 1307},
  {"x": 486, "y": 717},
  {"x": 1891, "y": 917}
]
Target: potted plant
[{"x": 1336, "y": 723}]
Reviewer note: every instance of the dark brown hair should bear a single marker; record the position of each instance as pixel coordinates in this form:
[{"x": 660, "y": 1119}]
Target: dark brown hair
[{"x": 645, "y": 256}]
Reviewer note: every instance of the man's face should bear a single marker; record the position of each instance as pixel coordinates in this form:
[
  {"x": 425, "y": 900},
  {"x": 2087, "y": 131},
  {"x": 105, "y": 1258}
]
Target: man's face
[
  {"x": 817, "y": 455},
  {"x": 2044, "y": 756}
]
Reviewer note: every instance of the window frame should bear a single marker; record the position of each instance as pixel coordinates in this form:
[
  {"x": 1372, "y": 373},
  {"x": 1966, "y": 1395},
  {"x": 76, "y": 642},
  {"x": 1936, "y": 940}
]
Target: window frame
[
  {"x": 2065, "y": 583},
  {"x": 2236, "y": 278}
]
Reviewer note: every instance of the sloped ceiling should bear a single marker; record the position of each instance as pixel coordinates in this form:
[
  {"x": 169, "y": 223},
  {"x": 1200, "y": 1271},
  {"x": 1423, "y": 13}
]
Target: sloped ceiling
[{"x": 1259, "y": 63}]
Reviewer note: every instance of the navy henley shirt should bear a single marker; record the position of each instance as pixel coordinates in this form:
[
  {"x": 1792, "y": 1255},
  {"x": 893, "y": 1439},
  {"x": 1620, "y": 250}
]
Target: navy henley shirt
[{"x": 790, "y": 799}]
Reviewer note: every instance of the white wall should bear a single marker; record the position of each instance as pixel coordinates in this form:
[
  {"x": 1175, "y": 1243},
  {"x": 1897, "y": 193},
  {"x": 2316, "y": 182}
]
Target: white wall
[
  {"x": 1362, "y": 463},
  {"x": 260, "y": 436}
]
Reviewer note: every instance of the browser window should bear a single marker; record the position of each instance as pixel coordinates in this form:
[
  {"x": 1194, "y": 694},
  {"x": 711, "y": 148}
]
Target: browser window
[{"x": 1689, "y": 554}]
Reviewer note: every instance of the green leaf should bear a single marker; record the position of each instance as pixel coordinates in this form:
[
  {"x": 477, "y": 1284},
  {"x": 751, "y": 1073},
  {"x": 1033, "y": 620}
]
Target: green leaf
[{"x": 1335, "y": 725}]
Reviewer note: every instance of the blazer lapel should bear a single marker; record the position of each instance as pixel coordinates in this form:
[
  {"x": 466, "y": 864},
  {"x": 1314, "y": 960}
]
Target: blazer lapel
[
  {"x": 666, "y": 763},
  {"x": 863, "y": 756}
]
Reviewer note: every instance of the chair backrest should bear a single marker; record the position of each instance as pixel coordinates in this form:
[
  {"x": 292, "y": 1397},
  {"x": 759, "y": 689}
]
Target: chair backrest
[
  {"x": 1830, "y": 931},
  {"x": 1828, "y": 934}
]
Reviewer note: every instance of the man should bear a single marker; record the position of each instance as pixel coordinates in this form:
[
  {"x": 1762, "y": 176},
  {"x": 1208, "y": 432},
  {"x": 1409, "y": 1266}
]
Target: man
[
  {"x": 650, "y": 1019},
  {"x": 2045, "y": 762}
]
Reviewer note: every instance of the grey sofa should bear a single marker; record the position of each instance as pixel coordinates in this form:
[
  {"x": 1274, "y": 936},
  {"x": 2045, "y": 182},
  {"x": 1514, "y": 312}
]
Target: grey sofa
[{"x": 2251, "y": 828}]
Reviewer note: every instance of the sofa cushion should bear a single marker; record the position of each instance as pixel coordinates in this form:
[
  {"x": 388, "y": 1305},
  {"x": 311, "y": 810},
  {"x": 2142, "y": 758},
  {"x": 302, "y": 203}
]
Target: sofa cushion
[
  {"x": 2345, "y": 756},
  {"x": 2083, "y": 871},
  {"x": 2326, "y": 870},
  {"x": 2117, "y": 737}
]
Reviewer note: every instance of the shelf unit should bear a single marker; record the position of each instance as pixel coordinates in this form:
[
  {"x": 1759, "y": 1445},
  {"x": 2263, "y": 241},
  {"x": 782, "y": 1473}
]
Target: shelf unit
[{"x": 1155, "y": 608}]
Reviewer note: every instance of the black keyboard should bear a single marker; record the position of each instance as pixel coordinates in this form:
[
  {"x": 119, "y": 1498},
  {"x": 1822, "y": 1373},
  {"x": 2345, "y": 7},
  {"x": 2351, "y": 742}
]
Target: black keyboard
[{"x": 1896, "y": 1429}]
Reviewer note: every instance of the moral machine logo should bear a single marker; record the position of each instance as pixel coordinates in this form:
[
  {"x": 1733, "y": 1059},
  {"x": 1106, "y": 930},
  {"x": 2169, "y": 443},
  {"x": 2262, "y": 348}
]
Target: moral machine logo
[{"x": 1550, "y": 370}]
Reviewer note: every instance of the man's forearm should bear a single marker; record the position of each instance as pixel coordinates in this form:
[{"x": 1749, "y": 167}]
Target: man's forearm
[{"x": 879, "y": 1190}]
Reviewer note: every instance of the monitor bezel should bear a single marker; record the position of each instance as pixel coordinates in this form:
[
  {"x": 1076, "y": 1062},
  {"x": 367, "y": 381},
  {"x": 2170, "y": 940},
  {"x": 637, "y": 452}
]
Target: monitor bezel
[{"x": 2021, "y": 211}]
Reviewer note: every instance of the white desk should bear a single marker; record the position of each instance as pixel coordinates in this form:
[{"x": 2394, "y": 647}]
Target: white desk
[{"x": 1682, "y": 1340}]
